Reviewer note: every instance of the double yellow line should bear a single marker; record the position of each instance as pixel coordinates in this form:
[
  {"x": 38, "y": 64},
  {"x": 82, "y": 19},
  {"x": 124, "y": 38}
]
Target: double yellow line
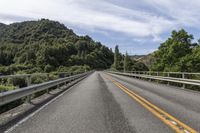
[{"x": 169, "y": 120}]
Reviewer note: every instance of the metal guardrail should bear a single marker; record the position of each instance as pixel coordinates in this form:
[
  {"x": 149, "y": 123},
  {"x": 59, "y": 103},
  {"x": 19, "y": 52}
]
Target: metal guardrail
[
  {"x": 10, "y": 96},
  {"x": 35, "y": 74},
  {"x": 161, "y": 78},
  {"x": 169, "y": 74},
  {"x": 28, "y": 77}
]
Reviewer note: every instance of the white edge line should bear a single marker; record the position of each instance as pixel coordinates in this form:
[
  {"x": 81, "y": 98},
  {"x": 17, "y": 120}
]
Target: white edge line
[{"x": 35, "y": 112}]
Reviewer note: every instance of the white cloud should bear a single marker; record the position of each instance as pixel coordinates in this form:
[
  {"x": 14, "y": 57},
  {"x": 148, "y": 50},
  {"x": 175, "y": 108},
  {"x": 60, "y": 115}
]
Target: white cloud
[
  {"x": 184, "y": 12},
  {"x": 94, "y": 15},
  {"x": 143, "y": 26}
]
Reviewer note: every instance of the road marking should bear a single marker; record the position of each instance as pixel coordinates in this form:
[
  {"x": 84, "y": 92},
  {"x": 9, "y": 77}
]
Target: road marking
[{"x": 168, "y": 119}]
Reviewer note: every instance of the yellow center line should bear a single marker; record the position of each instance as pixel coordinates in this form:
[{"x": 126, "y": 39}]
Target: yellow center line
[{"x": 168, "y": 119}]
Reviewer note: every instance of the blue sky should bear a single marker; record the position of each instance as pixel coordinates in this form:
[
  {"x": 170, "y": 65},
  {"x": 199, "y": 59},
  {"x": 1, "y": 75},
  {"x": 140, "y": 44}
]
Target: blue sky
[{"x": 137, "y": 26}]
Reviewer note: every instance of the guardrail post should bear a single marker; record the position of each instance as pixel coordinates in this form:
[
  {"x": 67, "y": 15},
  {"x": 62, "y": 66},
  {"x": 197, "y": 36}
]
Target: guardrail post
[
  {"x": 157, "y": 74},
  {"x": 141, "y": 74},
  {"x": 58, "y": 86},
  {"x": 148, "y": 73},
  {"x": 48, "y": 77},
  {"x": 138, "y": 75},
  {"x": 71, "y": 80},
  {"x": 145, "y": 73},
  {"x": 133, "y": 74},
  {"x": 28, "y": 99},
  {"x": 168, "y": 75},
  {"x": 28, "y": 82},
  {"x": 47, "y": 80},
  {"x": 47, "y": 91},
  {"x": 183, "y": 76}
]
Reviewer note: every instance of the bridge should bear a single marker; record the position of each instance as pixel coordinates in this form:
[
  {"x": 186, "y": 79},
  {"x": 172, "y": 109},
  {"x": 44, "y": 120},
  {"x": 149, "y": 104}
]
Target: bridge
[{"x": 105, "y": 102}]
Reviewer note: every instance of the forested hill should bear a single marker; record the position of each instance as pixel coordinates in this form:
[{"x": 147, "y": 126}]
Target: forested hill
[
  {"x": 45, "y": 46},
  {"x": 32, "y": 31}
]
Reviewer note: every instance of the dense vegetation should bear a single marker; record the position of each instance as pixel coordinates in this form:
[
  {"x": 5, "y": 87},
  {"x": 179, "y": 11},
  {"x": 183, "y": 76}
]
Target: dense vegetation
[
  {"x": 46, "y": 46},
  {"x": 178, "y": 53},
  {"x": 126, "y": 63}
]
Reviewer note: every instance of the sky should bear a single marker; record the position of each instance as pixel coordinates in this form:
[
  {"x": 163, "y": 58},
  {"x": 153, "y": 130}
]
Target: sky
[{"x": 137, "y": 26}]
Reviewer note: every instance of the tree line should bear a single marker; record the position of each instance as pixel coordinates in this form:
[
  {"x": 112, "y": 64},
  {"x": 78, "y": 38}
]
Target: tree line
[{"x": 46, "y": 46}]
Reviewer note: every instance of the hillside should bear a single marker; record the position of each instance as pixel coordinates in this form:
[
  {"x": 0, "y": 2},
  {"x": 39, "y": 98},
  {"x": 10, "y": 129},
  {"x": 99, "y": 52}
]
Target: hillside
[
  {"x": 136, "y": 57},
  {"x": 45, "y": 46},
  {"x": 31, "y": 31},
  {"x": 148, "y": 60}
]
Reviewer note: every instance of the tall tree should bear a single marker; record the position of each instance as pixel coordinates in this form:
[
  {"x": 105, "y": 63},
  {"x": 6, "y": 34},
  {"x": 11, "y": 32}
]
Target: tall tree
[
  {"x": 126, "y": 62},
  {"x": 116, "y": 58}
]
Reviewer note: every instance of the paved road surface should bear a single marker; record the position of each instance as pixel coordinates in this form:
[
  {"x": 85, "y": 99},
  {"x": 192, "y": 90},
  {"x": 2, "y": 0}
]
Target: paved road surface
[{"x": 97, "y": 105}]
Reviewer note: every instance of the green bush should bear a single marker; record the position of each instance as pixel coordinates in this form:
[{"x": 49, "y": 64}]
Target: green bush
[
  {"x": 74, "y": 69},
  {"x": 37, "y": 78},
  {"x": 3, "y": 69},
  {"x": 6, "y": 88},
  {"x": 18, "y": 81},
  {"x": 49, "y": 68},
  {"x": 53, "y": 76}
]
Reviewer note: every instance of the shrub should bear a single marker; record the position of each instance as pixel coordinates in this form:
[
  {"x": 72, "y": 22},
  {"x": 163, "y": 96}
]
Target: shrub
[
  {"x": 49, "y": 68},
  {"x": 6, "y": 88}
]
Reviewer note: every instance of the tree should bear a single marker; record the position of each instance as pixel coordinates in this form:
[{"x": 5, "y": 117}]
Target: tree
[
  {"x": 116, "y": 58},
  {"x": 191, "y": 62},
  {"x": 126, "y": 62},
  {"x": 172, "y": 50}
]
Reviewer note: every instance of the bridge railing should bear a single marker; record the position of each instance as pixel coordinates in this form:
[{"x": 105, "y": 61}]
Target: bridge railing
[
  {"x": 157, "y": 76},
  {"x": 184, "y": 75},
  {"x": 23, "y": 80},
  {"x": 13, "y": 95}
]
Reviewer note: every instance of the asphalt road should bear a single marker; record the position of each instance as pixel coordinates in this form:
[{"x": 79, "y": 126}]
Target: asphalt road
[{"x": 97, "y": 105}]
